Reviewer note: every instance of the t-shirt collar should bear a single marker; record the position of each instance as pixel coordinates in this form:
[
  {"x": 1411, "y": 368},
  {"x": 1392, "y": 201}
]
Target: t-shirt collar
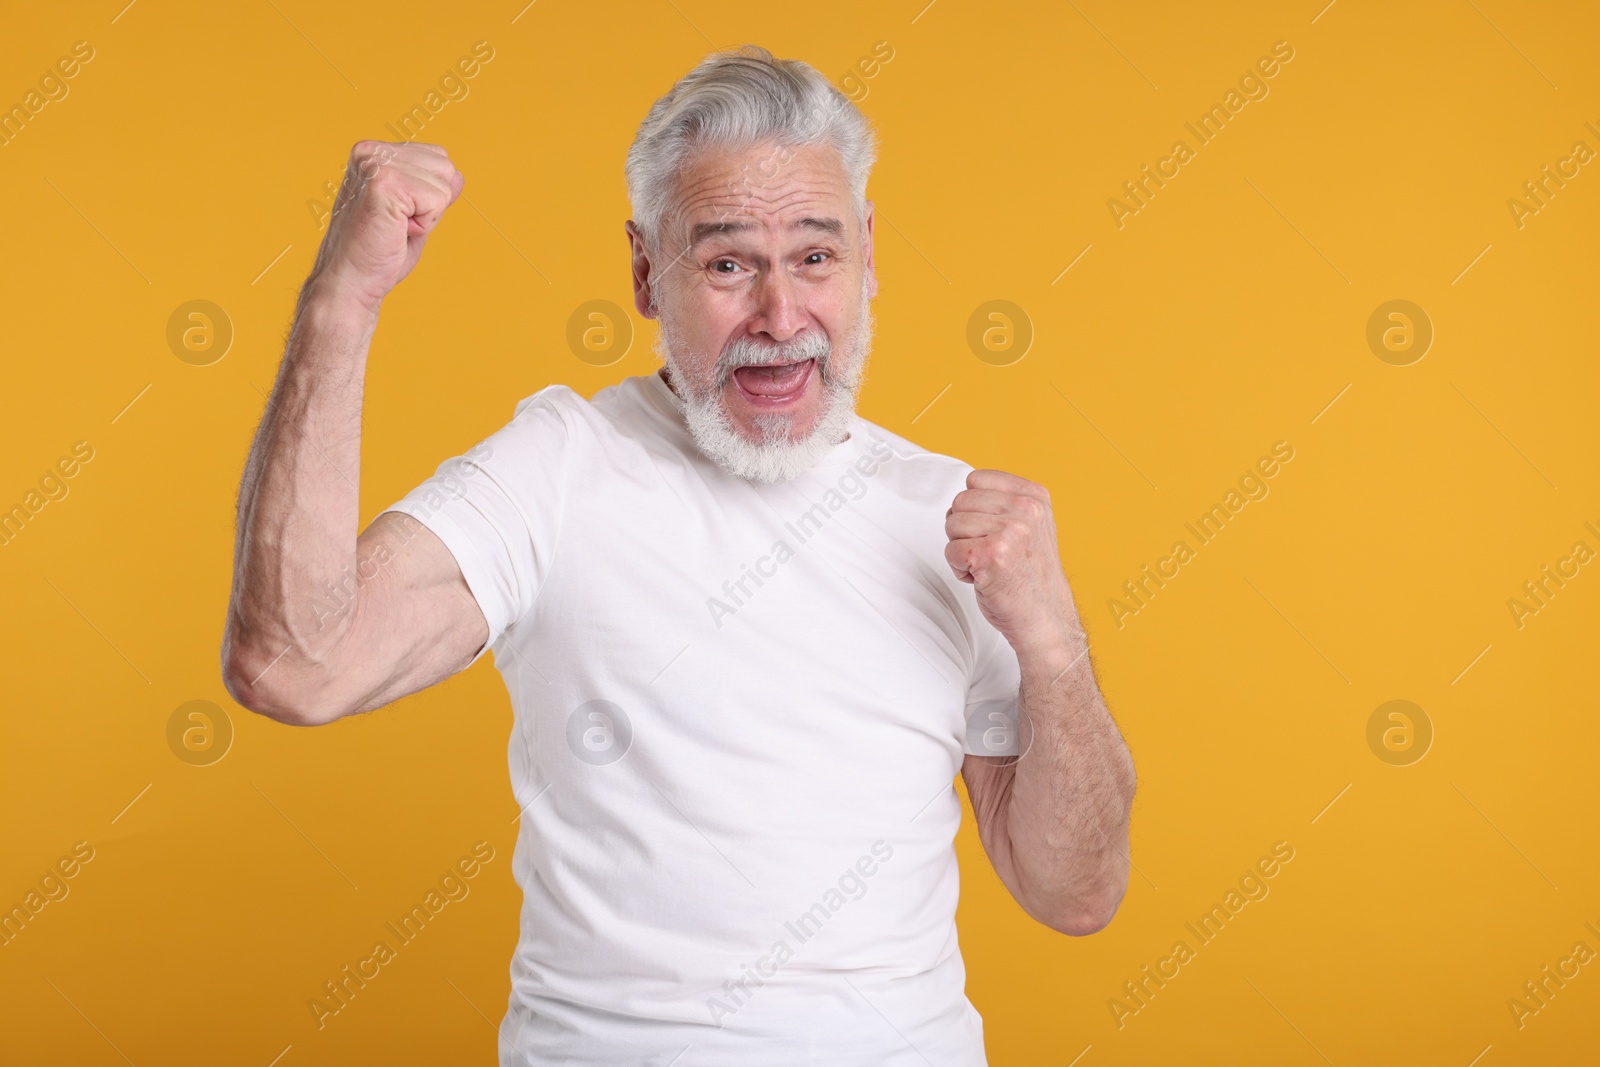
[{"x": 670, "y": 405}]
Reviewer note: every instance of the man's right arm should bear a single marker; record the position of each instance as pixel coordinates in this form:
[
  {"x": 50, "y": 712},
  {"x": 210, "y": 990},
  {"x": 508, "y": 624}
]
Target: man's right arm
[{"x": 324, "y": 623}]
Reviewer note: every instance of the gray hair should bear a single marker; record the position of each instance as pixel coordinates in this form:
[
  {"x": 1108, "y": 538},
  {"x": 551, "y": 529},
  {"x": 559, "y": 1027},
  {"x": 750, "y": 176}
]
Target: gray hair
[{"x": 737, "y": 99}]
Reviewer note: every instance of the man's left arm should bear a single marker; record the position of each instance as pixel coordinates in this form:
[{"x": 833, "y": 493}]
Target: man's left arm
[{"x": 1054, "y": 820}]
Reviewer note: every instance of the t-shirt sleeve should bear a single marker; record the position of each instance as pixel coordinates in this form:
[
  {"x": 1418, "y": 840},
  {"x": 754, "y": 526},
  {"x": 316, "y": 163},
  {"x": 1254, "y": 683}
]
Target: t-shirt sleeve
[
  {"x": 498, "y": 506},
  {"x": 992, "y": 694}
]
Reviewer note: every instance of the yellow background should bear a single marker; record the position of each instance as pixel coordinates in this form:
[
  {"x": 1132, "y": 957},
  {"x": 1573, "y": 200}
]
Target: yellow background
[{"x": 1223, "y": 317}]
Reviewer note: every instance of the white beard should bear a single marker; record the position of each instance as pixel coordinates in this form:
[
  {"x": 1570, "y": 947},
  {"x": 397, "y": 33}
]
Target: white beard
[{"x": 777, "y": 456}]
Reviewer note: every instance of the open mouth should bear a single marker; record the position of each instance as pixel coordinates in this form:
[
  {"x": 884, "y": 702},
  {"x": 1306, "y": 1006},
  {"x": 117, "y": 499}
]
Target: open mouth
[{"x": 774, "y": 384}]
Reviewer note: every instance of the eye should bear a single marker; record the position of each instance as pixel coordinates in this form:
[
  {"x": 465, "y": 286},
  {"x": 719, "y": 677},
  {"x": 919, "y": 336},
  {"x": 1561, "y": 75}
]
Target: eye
[
  {"x": 717, "y": 265},
  {"x": 815, "y": 258}
]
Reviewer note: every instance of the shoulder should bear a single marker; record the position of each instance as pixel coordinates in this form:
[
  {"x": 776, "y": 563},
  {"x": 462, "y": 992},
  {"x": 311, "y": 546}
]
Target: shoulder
[
  {"x": 918, "y": 474},
  {"x": 554, "y": 404},
  {"x": 558, "y": 414},
  {"x": 619, "y": 410},
  {"x": 545, "y": 426}
]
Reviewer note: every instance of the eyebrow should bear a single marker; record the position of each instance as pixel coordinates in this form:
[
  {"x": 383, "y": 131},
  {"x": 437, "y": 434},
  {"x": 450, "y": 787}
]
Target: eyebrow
[{"x": 702, "y": 230}]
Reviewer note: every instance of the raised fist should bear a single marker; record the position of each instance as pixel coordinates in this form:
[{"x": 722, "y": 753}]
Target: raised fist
[
  {"x": 392, "y": 197},
  {"x": 1002, "y": 541}
]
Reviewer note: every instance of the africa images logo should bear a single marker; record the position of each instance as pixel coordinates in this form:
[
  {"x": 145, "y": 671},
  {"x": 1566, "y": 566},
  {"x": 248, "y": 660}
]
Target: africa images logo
[
  {"x": 851, "y": 885},
  {"x": 850, "y": 486}
]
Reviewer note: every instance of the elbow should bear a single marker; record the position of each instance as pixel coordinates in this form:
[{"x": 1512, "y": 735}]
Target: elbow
[
  {"x": 1079, "y": 919},
  {"x": 1078, "y": 914},
  {"x": 1086, "y": 921},
  {"x": 271, "y": 688}
]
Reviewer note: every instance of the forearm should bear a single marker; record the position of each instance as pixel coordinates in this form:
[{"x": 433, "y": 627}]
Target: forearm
[
  {"x": 1068, "y": 807},
  {"x": 295, "y": 555}
]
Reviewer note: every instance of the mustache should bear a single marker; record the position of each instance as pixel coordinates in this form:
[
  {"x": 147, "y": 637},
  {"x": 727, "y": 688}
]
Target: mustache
[{"x": 746, "y": 352}]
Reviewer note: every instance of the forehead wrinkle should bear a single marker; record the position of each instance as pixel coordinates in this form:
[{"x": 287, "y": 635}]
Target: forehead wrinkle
[
  {"x": 754, "y": 201},
  {"x": 807, "y": 208}
]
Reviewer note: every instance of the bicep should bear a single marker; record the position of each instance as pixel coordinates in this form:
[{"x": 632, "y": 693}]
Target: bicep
[{"x": 415, "y": 621}]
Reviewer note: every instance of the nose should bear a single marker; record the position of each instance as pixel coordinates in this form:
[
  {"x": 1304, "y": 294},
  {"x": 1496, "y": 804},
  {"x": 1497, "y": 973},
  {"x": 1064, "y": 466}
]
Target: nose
[{"x": 778, "y": 314}]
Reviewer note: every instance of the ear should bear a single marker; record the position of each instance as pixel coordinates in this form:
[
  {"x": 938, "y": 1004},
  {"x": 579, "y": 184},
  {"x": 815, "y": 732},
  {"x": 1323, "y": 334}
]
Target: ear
[
  {"x": 643, "y": 293},
  {"x": 866, "y": 247}
]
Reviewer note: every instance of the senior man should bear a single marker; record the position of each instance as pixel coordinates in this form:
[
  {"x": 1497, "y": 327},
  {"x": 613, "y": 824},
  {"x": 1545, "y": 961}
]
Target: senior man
[{"x": 749, "y": 637}]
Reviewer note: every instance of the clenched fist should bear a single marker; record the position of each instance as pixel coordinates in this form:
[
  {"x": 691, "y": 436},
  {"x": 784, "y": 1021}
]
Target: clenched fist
[
  {"x": 392, "y": 197},
  {"x": 1003, "y": 543}
]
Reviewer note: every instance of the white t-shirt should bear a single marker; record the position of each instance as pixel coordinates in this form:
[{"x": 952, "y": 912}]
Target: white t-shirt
[{"x": 738, "y": 713}]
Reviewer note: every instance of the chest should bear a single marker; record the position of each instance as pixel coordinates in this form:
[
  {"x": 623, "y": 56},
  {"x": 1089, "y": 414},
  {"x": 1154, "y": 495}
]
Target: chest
[{"x": 777, "y": 610}]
